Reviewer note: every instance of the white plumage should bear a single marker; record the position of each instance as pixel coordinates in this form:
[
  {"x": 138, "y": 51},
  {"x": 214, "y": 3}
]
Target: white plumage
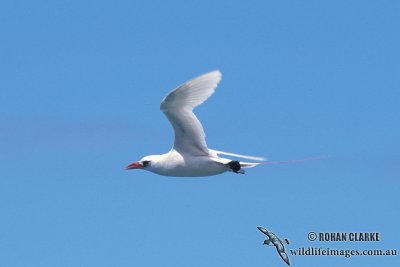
[{"x": 190, "y": 155}]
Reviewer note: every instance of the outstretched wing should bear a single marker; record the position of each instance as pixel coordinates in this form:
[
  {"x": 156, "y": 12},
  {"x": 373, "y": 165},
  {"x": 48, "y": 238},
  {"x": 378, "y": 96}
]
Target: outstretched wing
[
  {"x": 238, "y": 155},
  {"x": 284, "y": 256},
  {"x": 264, "y": 231},
  {"x": 178, "y": 106}
]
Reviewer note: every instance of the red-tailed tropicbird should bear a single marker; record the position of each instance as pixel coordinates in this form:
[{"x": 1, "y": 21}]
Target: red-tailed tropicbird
[{"x": 190, "y": 155}]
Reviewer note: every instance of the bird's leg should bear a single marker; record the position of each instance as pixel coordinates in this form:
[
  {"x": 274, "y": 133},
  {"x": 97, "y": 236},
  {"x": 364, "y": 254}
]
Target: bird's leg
[{"x": 234, "y": 165}]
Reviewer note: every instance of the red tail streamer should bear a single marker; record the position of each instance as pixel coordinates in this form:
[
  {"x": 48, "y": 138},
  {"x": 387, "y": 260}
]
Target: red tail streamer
[{"x": 291, "y": 161}]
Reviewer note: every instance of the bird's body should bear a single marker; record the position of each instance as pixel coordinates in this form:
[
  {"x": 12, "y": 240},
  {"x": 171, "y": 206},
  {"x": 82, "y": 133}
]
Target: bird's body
[
  {"x": 177, "y": 164},
  {"x": 190, "y": 156}
]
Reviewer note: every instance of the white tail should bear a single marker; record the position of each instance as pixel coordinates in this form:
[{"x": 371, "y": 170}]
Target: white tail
[{"x": 249, "y": 164}]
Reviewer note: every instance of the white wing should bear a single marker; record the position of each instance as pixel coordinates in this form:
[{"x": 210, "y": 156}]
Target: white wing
[
  {"x": 178, "y": 106},
  {"x": 237, "y": 155}
]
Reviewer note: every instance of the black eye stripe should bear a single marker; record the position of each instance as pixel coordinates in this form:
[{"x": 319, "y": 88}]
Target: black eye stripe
[{"x": 145, "y": 162}]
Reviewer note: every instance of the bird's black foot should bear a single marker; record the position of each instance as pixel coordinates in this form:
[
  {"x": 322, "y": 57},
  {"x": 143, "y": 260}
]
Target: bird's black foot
[{"x": 235, "y": 167}]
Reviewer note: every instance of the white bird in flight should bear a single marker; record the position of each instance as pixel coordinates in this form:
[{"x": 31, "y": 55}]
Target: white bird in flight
[{"x": 190, "y": 156}]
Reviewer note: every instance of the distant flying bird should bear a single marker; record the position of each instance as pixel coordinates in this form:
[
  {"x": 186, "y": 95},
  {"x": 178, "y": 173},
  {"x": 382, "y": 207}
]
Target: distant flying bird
[
  {"x": 273, "y": 240},
  {"x": 190, "y": 155}
]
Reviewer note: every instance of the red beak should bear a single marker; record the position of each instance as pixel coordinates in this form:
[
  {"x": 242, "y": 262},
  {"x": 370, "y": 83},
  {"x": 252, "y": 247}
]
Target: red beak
[{"x": 135, "y": 165}]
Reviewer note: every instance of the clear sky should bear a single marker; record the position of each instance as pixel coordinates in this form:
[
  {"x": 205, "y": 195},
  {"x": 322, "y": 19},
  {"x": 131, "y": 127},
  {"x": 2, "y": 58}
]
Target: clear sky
[{"x": 81, "y": 83}]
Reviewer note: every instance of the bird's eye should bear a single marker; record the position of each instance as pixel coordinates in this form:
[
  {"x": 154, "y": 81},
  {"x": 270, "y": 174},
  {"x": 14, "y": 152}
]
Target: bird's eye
[{"x": 145, "y": 163}]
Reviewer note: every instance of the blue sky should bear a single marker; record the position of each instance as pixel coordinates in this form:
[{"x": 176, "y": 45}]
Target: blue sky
[{"x": 81, "y": 83}]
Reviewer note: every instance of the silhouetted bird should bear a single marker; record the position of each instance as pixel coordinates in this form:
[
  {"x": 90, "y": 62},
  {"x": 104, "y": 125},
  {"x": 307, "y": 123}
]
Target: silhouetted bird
[{"x": 275, "y": 241}]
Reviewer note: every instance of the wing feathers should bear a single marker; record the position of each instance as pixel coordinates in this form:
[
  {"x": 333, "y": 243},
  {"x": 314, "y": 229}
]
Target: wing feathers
[
  {"x": 192, "y": 93},
  {"x": 238, "y": 155},
  {"x": 178, "y": 106}
]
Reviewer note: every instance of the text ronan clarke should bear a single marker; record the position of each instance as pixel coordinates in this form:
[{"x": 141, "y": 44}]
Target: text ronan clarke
[{"x": 349, "y": 236}]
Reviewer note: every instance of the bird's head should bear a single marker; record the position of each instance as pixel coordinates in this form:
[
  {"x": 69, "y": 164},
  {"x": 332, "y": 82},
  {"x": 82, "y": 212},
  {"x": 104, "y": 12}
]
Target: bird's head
[
  {"x": 141, "y": 164},
  {"x": 267, "y": 242}
]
